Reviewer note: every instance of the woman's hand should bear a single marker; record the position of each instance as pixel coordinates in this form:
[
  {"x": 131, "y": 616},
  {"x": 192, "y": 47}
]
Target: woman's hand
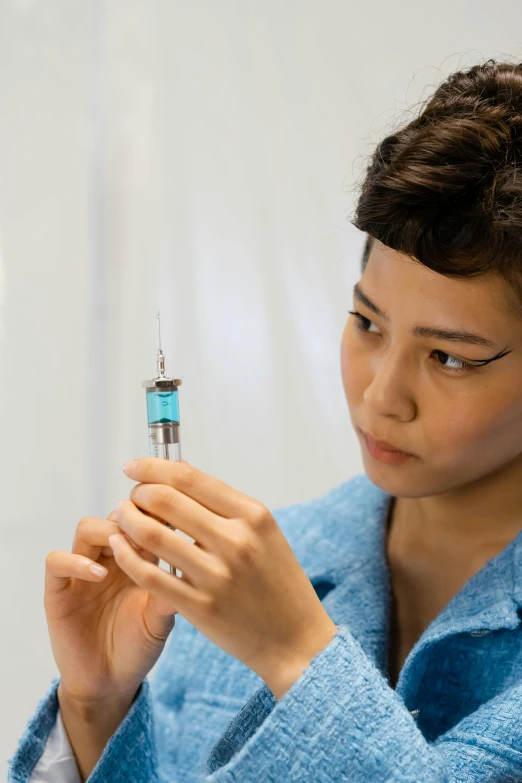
[
  {"x": 106, "y": 632},
  {"x": 242, "y": 586}
]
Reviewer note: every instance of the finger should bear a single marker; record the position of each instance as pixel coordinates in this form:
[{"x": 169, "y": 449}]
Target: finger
[
  {"x": 92, "y": 538},
  {"x": 61, "y": 566},
  {"x": 168, "y": 587},
  {"x": 170, "y": 506},
  {"x": 198, "y": 564},
  {"x": 210, "y": 492},
  {"x": 114, "y": 516},
  {"x": 92, "y": 535},
  {"x": 106, "y": 550}
]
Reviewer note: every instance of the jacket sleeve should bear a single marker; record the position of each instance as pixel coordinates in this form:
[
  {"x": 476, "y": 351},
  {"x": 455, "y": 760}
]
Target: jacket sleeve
[
  {"x": 130, "y": 754},
  {"x": 341, "y": 721}
]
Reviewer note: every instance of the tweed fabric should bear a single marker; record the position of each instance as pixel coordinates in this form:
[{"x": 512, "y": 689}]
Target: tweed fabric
[{"x": 455, "y": 715}]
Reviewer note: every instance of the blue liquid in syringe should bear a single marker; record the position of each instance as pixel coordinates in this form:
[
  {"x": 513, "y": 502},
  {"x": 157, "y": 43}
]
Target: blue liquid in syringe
[{"x": 162, "y": 407}]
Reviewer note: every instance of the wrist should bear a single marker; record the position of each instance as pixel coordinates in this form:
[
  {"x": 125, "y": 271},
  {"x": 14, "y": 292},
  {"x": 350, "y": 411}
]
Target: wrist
[
  {"x": 95, "y": 710},
  {"x": 89, "y": 724},
  {"x": 281, "y": 676}
]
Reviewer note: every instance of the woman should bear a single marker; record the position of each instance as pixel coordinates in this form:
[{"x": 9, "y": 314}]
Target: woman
[{"x": 373, "y": 634}]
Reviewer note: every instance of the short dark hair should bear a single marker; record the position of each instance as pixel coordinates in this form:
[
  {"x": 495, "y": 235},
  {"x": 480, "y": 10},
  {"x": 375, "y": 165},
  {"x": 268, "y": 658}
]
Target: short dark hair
[{"x": 446, "y": 189}]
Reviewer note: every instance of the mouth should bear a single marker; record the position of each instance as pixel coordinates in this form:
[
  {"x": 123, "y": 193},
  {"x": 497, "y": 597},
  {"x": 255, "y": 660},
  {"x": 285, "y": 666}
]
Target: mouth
[{"x": 383, "y": 445}]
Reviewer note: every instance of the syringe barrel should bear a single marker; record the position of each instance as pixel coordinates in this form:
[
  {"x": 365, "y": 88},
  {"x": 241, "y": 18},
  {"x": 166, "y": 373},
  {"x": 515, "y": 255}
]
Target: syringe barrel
[
  {"x": 164, "y": 440},
  {"x": 163, "y": 420}
]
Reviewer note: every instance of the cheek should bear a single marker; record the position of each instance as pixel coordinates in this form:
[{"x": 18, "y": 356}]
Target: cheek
[
  {"x": 457, "y": 428},
  {"x": 483, "y": 428}
]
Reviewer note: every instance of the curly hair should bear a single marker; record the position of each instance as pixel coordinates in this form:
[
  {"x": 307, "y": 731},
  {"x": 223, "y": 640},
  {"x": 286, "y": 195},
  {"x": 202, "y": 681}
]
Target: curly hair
[{"x": 446, "y": 189}]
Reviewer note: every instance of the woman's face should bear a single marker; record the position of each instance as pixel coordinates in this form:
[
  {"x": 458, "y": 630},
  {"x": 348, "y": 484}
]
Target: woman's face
[{"x": 461, "y": 424}]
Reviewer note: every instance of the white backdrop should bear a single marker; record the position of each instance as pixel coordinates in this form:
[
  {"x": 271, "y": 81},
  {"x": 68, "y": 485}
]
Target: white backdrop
[{"x": 201, "y": 157}]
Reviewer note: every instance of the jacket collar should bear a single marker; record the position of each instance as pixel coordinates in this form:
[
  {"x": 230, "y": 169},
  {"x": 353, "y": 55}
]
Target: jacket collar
[{"x": 347, "y": 552}]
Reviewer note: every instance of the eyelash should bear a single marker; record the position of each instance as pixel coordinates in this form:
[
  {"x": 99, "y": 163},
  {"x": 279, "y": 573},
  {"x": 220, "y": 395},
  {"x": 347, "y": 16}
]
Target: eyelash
[{"x": 464, "y": 366}]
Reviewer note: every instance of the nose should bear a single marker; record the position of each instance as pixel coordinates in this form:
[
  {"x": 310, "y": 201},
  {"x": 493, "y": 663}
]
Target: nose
[{"x": 390, "y": 390}]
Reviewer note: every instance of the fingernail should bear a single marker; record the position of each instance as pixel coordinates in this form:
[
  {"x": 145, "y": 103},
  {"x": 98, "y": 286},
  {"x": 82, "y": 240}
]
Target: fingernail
[
  {"x": 98, "y": 570},
  {"x": 114, "y": 542},
  {"x": 129, "y": 466}
]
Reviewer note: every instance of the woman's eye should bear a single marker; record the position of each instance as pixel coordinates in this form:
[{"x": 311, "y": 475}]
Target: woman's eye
[
  {"x": 460, "y": 364},
  {"x": 361, "y": 320}
]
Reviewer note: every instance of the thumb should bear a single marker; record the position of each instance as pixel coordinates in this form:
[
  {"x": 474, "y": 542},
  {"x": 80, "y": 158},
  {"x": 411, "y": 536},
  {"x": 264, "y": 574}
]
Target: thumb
[{"x": 159, "y": 617}]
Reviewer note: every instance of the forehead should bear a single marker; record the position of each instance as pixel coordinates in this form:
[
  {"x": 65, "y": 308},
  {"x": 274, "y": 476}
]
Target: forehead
[{"x": 398, "y": 281}]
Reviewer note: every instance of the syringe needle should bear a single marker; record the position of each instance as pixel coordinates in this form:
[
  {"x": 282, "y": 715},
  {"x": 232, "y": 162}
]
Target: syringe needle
[
  {"x": 160, "y": 359},
  {"x": 159, "y": 329}
]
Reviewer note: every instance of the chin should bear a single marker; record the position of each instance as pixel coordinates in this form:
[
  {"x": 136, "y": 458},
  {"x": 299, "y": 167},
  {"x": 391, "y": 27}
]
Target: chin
[{"x": 399, "y": 481}]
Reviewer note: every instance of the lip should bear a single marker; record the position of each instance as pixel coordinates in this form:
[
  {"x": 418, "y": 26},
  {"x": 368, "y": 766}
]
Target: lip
[{"x": 384, "y": 446}]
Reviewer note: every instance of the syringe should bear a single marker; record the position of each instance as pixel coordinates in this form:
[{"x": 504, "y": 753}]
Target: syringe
[{"x": 163, "y": 414}]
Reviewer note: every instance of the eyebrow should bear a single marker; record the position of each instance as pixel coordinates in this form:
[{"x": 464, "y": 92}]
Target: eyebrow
[{"x": 418, "y": 330}]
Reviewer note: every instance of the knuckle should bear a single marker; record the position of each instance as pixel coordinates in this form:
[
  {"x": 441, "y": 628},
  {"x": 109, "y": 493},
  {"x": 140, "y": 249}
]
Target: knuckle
[
  {"x": 163, "y": 495},
  {"x": 125, "y": 506},
  {"x": 247, "y": 550},
  {"x": 51, "y": 558},
  {"x": 207, "y": 603},
  {"x": 139, "y": 492},
  {"x": 260, "y": 517},
  {"x": 82, "y": 525},
  {"x": 240, "y": 545},
  {"x": 153, "y": 536},
  {"x": 220, "y": 572},
  {"x": 151, "y": 495}
]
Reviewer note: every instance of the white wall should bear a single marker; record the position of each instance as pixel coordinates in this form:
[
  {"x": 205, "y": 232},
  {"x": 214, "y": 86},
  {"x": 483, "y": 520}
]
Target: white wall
[{"x": 201, "y": 157}]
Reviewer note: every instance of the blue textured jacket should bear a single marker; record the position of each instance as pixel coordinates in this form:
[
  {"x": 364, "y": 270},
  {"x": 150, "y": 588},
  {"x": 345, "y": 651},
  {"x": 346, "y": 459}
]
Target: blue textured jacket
[{"x": 455, "y": 715}]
